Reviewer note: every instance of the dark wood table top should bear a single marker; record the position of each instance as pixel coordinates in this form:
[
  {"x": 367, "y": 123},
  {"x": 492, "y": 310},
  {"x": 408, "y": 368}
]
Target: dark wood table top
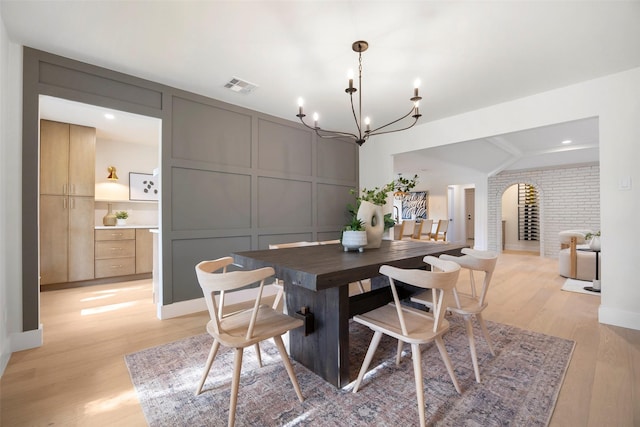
[{"x": 326, "y": 266}]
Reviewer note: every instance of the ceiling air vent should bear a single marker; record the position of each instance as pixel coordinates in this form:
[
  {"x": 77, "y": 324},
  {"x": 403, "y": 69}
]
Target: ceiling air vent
[{"x": 240, "y": 86}]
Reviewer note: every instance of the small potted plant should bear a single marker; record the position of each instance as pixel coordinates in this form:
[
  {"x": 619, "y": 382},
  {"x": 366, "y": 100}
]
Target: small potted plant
[
  {"x": 354, "y": 235},
  {"x": 121, "y": 217}
]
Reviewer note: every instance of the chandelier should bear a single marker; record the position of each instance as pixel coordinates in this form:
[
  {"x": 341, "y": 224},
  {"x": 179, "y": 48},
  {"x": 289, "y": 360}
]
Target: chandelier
[{"x": 362, "y": 134}]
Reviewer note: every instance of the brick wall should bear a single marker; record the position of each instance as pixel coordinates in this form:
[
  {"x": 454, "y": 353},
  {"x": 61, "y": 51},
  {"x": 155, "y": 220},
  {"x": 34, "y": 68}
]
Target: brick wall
[{"x": 569, "y": 199}]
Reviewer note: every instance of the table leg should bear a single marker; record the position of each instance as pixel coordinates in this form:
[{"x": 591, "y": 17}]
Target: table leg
[
  {"x": 596, "y": 281},
  {"x": 326, "y": 350}
]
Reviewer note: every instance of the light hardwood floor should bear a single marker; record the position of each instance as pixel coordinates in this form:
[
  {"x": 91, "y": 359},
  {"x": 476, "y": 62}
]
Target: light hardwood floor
[{"x": 78, "y": 378}]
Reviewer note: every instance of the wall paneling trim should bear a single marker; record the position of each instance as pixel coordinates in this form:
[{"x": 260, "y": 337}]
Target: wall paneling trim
[{"x": 232, "y": 179}]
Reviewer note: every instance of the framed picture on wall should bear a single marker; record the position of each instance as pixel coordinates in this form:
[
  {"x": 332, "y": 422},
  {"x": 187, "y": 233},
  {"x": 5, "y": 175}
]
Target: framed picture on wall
[
  {"x": 143, "y": 186},
  {"x": 414, "y": 205}
]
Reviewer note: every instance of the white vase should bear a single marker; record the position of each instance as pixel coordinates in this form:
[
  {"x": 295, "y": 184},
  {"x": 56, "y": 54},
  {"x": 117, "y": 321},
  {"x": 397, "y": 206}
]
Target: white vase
[
  {"x": 373, "y": 219},
  {"x": 594, "y": 244},
  {"x": 354, "y": 240}
]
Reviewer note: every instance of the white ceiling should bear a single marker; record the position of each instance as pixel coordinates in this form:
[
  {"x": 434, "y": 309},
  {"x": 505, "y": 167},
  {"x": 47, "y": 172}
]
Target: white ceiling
[
  {"x": 123, "y": 127},
  {"x": 468, "y": 55}
]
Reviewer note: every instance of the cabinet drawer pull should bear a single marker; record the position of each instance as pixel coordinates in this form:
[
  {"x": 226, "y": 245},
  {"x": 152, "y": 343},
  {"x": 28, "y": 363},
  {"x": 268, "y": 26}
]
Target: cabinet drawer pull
[
  {"x": 116, "y": 266},
  {"x": 116, "y": 234},
  {"x": 116, "y": 249}
]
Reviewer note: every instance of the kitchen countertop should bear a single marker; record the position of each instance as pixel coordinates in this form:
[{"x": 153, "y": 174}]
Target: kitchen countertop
[{"x": 106, "y": 227}]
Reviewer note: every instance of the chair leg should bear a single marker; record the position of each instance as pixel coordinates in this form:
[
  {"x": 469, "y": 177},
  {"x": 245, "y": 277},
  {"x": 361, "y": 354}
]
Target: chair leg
[
  {"x": 472, "y": 347},
  {"x": 235, "y": 384},
  {"x": 445, "y": 358},
  {"x": 375, "y": 340},
  {"x": 207, "y": 366},
  {"x": 485, "y": 332},
  {"x": 257, "y": 347},
  {"x": 279, "y": 295},
  {"x": 399, "y": 352},
  {"x": 287, "y": 365},
  {"x": 417, "y": 372}
]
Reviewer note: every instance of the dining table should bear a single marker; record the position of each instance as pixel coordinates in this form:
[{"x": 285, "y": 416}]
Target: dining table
[{"x": 316, "y": 285}]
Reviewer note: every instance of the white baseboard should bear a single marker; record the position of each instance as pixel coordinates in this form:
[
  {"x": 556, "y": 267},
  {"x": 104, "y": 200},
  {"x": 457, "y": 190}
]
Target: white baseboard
[
  {"x": 183, "y": 308},
  {"x": 615, "y": 317},
  {"x": 26, "y": 340}
]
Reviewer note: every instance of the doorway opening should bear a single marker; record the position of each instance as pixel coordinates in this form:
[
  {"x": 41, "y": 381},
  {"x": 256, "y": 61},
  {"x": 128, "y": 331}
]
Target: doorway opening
[
  {"x": 521, "y": 222},
  {"x": 130, "y": 143}
]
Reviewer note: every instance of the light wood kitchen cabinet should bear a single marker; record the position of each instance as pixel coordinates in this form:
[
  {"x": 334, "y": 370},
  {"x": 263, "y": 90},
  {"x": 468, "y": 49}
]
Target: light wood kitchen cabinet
[
  {"x": 144, "y": 251},
  {"x": 67, "y": 159},
  {"x": 115, "y": 253},
  {"x": 66, "y": 212},
  {"x": 123, "y": 252},
  {"x": 54, "y": 240}
]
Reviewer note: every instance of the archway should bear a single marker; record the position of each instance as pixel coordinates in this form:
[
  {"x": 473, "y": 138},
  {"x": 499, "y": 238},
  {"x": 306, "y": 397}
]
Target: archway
[{"x": 498, "y": 211}]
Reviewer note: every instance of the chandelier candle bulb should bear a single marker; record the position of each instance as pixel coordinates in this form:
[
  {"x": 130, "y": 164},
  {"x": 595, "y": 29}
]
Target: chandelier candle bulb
[
  {"x": 367, "y": 122},
  {"x": 300, "y": 102},
  {"x": 350, "y": 77},
  {"x": 315, "y": 119},
  {"x": 416, "y": 86}
]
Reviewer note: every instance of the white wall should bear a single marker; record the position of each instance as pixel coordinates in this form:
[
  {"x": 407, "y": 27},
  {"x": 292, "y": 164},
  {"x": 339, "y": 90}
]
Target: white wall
[
  {"x": 615, "y": 100},
  {"x": 10, "y": 196},
  {"x": 126, "y": 157},
  {"x": 4, "y": 337},
  {"x": 437, "y": 184},
  {"x": 569, "y": 199}
]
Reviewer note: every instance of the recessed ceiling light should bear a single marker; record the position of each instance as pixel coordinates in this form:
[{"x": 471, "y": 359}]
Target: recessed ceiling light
[
  {"x": 566, "y": 141},
  {"x": 109, "y": 116}
]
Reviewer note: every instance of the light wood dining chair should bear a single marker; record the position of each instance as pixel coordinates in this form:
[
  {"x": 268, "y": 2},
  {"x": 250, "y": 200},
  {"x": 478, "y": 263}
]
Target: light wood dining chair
[
  {"x": 425, "y": 230},
  {"x": 330, "y": 242},
  {"x": 411, "y": 325},
  {"x": 417, "y": 230},
  {"x": 398, "y": 234},
  {"x": 241, "y": 328},
  {"x": 470, "y": 304},
  {"x": 441, "y": 232},
  {"x": 407, "y": 228},
  {"x": 278, "y": 282}
]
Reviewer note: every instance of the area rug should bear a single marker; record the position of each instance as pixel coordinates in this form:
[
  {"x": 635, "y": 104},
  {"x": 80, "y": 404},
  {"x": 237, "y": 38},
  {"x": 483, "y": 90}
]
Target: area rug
[
  {"x": 520, "y": 385},
  {"x": 573, "y": 285}
]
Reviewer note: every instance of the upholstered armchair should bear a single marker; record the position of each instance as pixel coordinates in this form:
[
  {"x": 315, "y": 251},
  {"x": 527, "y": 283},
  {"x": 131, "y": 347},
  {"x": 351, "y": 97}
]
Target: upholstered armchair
[{"x": 573, "y": 262}]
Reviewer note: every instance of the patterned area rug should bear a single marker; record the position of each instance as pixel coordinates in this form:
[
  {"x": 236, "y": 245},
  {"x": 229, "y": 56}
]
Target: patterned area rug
[{"x": 520, "y": 385}]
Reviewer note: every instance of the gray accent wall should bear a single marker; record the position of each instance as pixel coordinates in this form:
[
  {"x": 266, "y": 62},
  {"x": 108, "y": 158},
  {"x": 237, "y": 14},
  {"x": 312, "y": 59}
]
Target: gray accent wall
[{"x": 232, "y": 179}]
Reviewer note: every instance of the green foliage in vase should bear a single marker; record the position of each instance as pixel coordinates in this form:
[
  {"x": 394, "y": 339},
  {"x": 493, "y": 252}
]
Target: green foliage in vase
[
  {"x": 378, "y": 196},
  {"x": 405, "y": 185},
  {"x": 388, "y": 221}
]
